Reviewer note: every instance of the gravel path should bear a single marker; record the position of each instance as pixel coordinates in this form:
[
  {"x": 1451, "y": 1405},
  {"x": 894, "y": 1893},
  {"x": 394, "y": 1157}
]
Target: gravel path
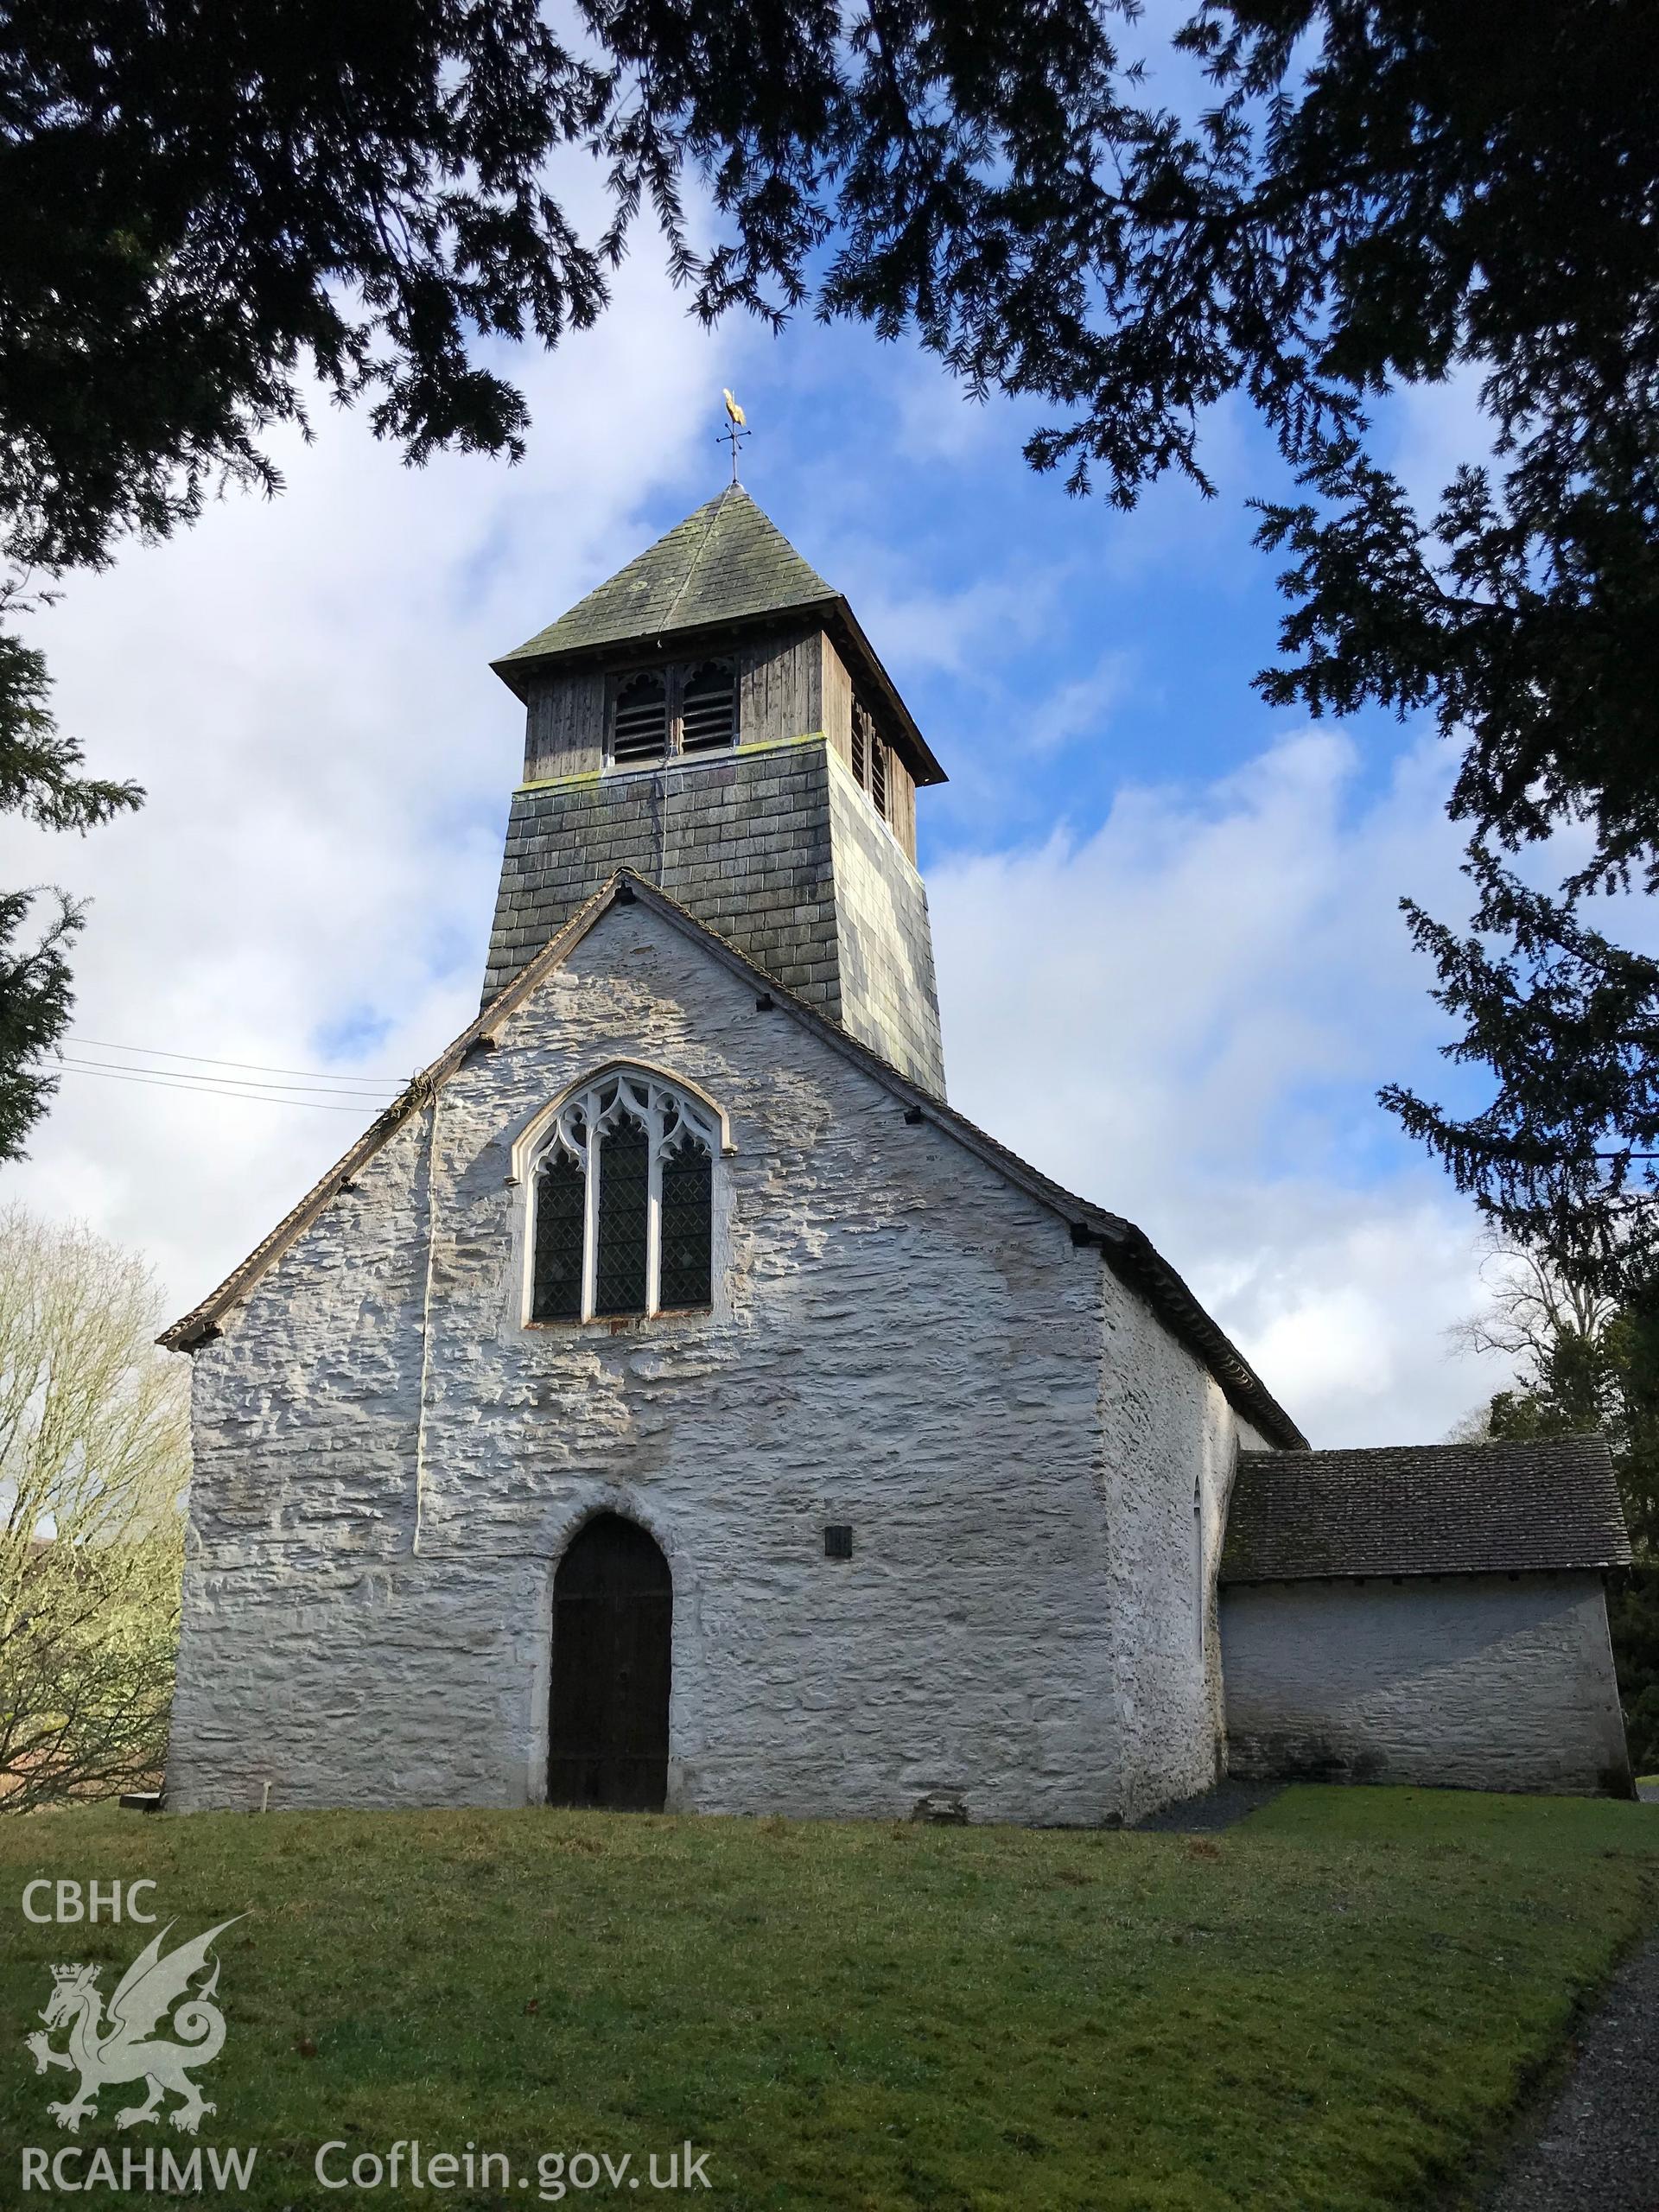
[{"x": 1599, "y": 2148}]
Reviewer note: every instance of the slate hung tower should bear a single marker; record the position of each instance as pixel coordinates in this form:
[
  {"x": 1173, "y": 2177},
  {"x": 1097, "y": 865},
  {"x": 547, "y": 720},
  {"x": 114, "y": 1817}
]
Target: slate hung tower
[{"x": 715, "y": 719}]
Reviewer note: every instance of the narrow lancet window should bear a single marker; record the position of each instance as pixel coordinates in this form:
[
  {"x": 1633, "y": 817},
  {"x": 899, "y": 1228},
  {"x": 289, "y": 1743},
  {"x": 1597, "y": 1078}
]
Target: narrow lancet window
[
  {"x": 624, "y": 1217},
  {"x": 688, "y": 1223},
  {"x": 561, "y": 1218},
  {"x": 622, "y": 1193}
]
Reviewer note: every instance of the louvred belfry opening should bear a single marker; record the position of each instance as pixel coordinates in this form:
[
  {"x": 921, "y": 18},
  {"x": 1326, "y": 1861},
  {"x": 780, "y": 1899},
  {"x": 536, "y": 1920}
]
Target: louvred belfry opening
[
  {"x": 708, "y": 714},
  {"x": 641, "y": 733}
]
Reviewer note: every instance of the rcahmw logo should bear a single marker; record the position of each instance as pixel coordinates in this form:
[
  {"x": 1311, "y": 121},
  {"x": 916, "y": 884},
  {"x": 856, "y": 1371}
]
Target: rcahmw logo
[{"x": 117, "y": 2045}]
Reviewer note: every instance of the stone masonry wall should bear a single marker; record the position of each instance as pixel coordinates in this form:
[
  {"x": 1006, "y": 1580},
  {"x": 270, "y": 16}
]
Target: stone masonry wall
[
  {"x": 1473, "y": 1680},
  {"x": 388, "y": 1464},
  {"x": 1171, "y": 1444}
]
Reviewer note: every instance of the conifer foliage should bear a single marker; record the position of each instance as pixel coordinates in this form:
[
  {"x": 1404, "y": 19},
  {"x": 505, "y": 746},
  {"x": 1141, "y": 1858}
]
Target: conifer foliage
[{"x": 213, "y": 211}]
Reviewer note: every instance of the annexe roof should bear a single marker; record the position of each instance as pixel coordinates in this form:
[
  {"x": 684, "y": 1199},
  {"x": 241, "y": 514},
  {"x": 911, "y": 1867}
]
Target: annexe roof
[
  {"x": 1424, "y": 1509},
  {"x": 727, "y": 565},
  {"x": 1126, "y": 1248}
]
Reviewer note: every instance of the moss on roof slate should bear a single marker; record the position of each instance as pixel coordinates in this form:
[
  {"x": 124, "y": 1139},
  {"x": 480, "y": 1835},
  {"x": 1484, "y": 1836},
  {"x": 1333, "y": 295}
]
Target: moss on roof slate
[{"x": 727, "y": 562}]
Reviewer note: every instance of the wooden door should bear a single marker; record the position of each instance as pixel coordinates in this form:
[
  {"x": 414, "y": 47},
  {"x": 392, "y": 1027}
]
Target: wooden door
[{"x": 613, "y": 1627}]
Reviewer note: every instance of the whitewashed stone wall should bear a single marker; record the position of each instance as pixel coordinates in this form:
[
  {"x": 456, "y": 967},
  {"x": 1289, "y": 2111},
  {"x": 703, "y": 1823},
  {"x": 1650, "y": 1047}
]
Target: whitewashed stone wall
[
  {"x": 1170, "y": 1442},
  {"x": 902, "y": 1340},
  {"x": 1472, "y": 1679}
]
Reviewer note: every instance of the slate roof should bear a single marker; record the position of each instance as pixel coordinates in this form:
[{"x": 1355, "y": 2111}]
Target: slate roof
[
  {"x": 1424, "y": 1509},
  {"x": 727, "y": 562},
  {"x": 1127, "y": 1249},
  {"x": 725, "y": 565}
]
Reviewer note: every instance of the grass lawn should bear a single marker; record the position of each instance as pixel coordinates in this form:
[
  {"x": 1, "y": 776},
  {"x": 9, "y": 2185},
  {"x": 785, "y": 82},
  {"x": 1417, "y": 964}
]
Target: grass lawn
[{"x": 1330, "y": 2007}]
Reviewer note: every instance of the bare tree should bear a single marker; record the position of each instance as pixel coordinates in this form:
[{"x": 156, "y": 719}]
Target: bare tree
[
  {"x": 94, "y": 1458},
  {"x": 1530, "y": 1309}
]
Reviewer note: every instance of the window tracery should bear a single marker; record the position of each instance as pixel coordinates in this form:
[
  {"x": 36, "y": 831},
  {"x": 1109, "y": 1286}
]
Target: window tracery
[{"x": 622, "y": 1202}]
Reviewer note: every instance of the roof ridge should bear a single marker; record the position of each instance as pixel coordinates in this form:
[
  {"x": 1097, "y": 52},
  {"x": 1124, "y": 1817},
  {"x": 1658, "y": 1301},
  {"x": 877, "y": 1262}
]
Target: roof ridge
[
  {"x": 1447, "y": 1443},
  {"x": 691, "y": 566}
]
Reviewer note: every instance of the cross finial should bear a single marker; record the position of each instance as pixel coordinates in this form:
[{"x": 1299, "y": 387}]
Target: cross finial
[{"x": 736, "y": 428}]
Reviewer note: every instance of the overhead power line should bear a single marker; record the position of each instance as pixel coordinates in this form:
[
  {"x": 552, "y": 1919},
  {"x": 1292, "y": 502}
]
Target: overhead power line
[
  {"x": 252, "y": 1067},
  {"x": 205, "y": 1087},
  {"x": 238, "y": 1083}
]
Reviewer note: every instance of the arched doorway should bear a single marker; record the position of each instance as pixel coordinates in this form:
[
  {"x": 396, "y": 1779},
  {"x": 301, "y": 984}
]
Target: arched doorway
[{"x": 613, "y": 1627}]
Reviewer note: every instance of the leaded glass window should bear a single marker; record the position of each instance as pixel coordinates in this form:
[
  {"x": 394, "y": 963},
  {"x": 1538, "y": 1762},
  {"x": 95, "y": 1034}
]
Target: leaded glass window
[
  {"x": 624, "y": 1217},
  {"x": 561, "y": 1227},
  {"x": 622, "y": 1189},
  {"x": 688, "y": 1223}
]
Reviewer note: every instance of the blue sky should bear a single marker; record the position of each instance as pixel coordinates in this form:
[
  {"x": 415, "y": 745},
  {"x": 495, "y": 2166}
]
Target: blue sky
[{"x": 1171, "y": 965}]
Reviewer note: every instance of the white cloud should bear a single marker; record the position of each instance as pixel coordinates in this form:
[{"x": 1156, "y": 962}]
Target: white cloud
[
  {"x": 1428, "y": 431},
  {"x": 1079, "y": 708},
  {"x": 1180, "y": 1014},
  {"x": 1183, "y": 1017},
  {"x": 302, "y": 687},
  {"x": 926, "y": 628}
]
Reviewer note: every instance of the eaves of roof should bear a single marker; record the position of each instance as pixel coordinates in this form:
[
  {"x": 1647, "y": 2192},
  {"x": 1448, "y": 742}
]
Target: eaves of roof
[{"x": 893, "y": 718}]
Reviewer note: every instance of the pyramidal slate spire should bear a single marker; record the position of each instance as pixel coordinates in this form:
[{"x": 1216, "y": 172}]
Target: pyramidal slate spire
[
  {"x": 727, "y": 562},
  {"x": 714, "y": 717}
]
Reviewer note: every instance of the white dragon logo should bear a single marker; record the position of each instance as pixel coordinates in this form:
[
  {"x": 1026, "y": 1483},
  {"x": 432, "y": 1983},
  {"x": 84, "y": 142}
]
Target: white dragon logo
[{"x": 122, "y": 2048}]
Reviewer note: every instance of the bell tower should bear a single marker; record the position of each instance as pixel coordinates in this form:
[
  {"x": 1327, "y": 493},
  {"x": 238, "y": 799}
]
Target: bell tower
[{"x": 714, "y": 718}]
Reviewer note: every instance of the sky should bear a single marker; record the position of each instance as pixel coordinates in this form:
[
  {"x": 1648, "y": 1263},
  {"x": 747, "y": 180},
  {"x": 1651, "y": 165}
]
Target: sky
[{"x": 1172, "y": 968}]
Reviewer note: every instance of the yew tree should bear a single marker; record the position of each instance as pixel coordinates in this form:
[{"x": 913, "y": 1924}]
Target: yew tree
[{"x": 213, "y": 211}]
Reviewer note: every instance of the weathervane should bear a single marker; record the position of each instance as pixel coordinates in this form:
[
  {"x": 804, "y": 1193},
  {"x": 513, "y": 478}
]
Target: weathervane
[{"x": 735, "y": 431}]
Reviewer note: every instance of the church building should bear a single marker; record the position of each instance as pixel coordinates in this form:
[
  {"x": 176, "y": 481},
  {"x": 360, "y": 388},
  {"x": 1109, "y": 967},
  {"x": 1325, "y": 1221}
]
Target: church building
[{"x": 671, "y": 1401}]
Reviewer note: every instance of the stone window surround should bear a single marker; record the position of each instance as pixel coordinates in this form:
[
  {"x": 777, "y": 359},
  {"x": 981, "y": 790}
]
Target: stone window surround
[{"x": 561, "y": 1126}]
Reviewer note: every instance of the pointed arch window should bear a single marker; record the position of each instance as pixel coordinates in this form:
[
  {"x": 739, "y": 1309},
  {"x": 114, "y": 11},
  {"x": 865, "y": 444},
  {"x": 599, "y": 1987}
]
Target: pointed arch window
[{"x": 622, "y": 1192}]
